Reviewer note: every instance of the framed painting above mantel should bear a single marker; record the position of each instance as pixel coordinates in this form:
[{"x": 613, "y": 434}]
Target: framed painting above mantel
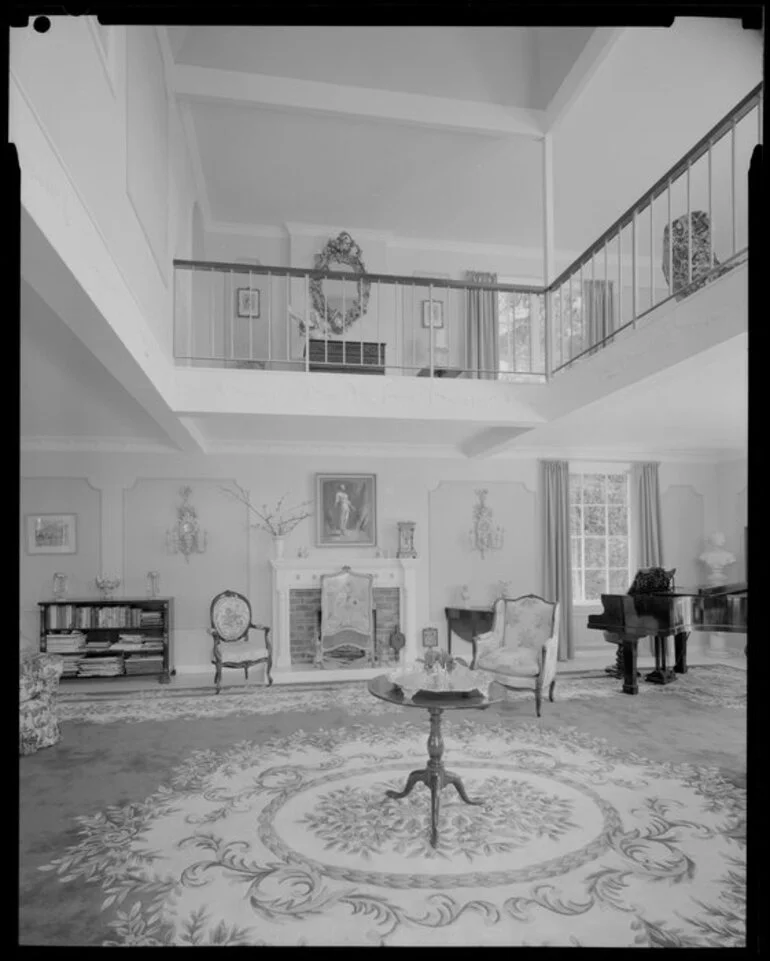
[{"x": 346, "y": 510}]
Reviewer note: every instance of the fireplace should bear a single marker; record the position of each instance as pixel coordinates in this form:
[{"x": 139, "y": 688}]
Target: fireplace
[{"x": 297, "y": 599}]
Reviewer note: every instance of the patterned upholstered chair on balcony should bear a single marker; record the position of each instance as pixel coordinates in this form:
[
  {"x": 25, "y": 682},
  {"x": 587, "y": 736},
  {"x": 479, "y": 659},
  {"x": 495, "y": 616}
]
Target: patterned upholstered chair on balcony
[
  {"x": 38, "y": 690},
  {"x": 347, "y": 631},
  {"x": 230, "y": 625},
  {"x": 521, "y": 649}
]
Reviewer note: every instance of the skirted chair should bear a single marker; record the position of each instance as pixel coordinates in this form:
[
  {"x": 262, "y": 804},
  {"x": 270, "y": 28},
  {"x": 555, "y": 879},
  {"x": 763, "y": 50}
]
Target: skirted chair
[
  {"x": 521, "y": 649},
  {"x": 230, "y": 626},
  {"x": 38, "y": 690},
  {"x": 347, "y": 631}
]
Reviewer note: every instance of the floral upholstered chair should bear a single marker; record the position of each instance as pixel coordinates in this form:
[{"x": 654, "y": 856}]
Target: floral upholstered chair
[
  {"x": 522, "y": 647},
  {"x": 230, "y": 626},
  {"x": 38, "y": 689}
]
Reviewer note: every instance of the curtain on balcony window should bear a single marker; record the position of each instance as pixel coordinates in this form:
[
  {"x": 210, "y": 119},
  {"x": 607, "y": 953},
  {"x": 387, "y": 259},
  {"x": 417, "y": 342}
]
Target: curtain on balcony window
[
  {"x": 599, "y": 310},
  {"x": 557, "y": 572},
  {"x": 482, "y": 350}
]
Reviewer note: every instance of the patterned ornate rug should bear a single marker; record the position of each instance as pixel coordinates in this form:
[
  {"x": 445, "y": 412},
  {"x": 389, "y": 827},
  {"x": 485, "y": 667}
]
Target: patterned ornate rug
[
  {"x": 291, "y": 841},
  {"x": 715, "y": 685}
]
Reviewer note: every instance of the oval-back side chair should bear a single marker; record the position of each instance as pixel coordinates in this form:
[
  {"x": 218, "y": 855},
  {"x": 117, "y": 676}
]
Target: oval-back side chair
[{"x": 230, "y": 625}]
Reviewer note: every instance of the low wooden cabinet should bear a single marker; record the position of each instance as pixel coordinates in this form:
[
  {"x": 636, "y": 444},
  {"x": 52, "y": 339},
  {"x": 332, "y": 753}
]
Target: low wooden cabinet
[{"x": 120, "y": 637}]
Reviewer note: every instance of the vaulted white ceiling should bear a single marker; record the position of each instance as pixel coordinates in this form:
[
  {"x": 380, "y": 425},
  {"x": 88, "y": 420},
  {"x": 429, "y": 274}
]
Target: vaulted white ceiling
[
  {"x": 515, "y": 66},
  {"x": 285, "y": 166},
  {"x": 410, "y": 130}
]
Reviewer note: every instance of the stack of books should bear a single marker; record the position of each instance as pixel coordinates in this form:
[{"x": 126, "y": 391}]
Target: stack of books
[
  {"x": 100, "y": 667},
  {"x": 71, "y": 643},
  {"x": 128, "y": 643},
  {"x": 144, "y": 664},
  {"x": 150, "y": 619},
  {"x": 71, "y": 665}
]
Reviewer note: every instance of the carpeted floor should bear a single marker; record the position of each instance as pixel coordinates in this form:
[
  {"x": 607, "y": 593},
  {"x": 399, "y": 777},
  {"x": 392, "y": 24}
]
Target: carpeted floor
[{"x": 260, "y": 817}]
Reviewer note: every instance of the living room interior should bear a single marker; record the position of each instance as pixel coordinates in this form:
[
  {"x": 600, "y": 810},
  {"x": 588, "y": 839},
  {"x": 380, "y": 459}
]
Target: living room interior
[{"x": 338, "y": 381}]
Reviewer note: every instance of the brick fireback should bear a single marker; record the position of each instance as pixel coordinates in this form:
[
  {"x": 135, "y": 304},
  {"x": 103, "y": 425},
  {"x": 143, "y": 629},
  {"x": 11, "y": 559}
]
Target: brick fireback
[{"x": 304, "y": 605}]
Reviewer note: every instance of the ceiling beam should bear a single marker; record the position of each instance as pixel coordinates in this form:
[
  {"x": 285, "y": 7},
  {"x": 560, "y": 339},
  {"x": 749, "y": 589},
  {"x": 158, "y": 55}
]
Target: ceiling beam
[
  {"x": 491, "y": 441},
  {"x": 261, "y": 90},
  {"x": 593, "y": 55}
]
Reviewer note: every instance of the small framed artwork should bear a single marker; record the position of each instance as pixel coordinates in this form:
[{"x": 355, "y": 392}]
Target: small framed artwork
[
  {"x": 430, "y": 637},
  {"x": 51, "y": 533},
  {"x": 247, "y": 302},
  {"x": 436, "y": 315},
  {"x": 346, "y": 510}
]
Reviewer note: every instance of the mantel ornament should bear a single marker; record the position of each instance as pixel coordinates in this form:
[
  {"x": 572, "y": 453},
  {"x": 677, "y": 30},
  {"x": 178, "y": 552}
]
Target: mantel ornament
[
  {"x": 186, "y": 537},
  {"x": 341, "y": 250}
]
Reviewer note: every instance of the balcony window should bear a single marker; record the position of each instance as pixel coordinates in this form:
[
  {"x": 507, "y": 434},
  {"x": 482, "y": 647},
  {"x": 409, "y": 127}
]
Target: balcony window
[{"x": 599, "y": 529}]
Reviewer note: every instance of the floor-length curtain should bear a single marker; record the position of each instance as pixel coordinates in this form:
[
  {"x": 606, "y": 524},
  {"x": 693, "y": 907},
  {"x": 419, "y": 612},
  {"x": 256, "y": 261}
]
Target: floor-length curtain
[
  {"x": 645, "y": 512},
  {"x": 482, "y": 349},
  {"x": 557, "y": 567},
  {"x": 599, "y": 310}
]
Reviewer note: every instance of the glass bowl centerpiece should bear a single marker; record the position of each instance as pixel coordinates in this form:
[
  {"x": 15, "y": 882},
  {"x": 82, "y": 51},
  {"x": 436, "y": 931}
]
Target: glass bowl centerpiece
[{"x": 439, "y": 673}]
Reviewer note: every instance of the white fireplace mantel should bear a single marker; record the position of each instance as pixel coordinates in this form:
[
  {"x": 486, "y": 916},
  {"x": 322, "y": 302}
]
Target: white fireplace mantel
[{"x": 301, "y": 573}]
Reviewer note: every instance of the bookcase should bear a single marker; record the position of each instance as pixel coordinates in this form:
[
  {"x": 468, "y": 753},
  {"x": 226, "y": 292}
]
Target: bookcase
[{"x": 122, "y": 637}]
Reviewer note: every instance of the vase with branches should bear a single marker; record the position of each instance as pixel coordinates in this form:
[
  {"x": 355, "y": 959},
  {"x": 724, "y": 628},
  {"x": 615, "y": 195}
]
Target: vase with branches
[{"x": 277, "y": 521}]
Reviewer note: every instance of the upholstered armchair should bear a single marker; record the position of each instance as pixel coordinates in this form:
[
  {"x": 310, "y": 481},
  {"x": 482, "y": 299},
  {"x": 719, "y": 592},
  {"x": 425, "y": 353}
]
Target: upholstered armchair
[
  {"x": 230, "y": 625},
  {"x": 38, "y": 689},
  {"x": 522, "y": 647}
]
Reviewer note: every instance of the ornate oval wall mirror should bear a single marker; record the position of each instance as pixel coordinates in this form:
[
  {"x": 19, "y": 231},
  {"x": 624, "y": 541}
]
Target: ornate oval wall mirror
[{"x": 339, "y": 304}]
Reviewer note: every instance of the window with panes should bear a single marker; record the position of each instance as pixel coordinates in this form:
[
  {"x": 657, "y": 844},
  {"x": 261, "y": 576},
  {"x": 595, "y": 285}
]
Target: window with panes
[{"x": 599, "y": 534}]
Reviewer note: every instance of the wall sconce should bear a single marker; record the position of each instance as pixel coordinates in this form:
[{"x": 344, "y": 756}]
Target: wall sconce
[
  {"x": 186, "y": 537},
  {"x": 484, "y": 535}
]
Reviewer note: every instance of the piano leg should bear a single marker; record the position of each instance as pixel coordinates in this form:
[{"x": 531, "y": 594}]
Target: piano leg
[
  {"x": 630, "y": 685},
  {"x": 662, "y": 674},
  {"x": 680, "y": 652}
]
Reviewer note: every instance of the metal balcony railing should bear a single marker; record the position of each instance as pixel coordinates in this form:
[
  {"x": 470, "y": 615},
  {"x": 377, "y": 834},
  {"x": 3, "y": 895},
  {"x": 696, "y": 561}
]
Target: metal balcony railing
[
  {"x": 239, "y": 316},
  {"x": 686, "y": 230}
]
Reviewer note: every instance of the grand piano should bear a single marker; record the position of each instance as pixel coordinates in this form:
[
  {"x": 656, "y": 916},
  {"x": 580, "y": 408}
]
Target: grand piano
[{"x": 664, "y": 614}]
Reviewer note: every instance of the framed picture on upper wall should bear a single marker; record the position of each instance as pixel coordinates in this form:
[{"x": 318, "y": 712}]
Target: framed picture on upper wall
[
  {"x": 51, "y": 533},
  {"x": 437, "y": 313},
  {"x": 247, "y": 302},
  {"x": 346, "y": 510}
]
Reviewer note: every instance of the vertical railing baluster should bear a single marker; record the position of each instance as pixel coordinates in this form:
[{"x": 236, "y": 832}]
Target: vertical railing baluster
[
  {"x": 592, "y": 298},
  {"x": 431, "y": 334},
  {"x": 269, "y": 322},
  {"x": 251, "y": 330},
  {"x": 361, "y": 318},
  {"x": 191, "y": 339},
  {"x": 582, "y": 310},
  {"x": 652, "y": 257},
  {"x": 288, "y": 321},
  {"x": 545, "y": 318},
  {"x": 414, "y": 336},
  {"x": 710, "y": 208},
  {"x": 732, "y": 183},
  {"x": 212, "y": 335},
  {"x": 379, "y": 304},
  {"x": 620, "y": 276},
  {"x": 606, "y": 297},
  {"x": 226, "y": 312},
  {"x": 307, "y": 323},
  {"x": 760, "y": 107},
  {"x": 571, "y": 318},
  {"x": 670, "y": 257},
  {"x": 344, "y": 329},
  {"x": 448, "y": 327},
  {"x": 326, "y": 330},
  {"x": 634, "y": 278},
  {"x": 689, "y": 225}
]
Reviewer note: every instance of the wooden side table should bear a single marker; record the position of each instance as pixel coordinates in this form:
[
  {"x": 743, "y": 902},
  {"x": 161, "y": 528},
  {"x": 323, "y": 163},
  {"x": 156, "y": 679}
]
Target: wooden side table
[{"x": 466, "y": 622}]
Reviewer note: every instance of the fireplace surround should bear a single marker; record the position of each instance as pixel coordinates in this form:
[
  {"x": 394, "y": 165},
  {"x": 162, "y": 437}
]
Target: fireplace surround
[{"x": 303, "y": 576}]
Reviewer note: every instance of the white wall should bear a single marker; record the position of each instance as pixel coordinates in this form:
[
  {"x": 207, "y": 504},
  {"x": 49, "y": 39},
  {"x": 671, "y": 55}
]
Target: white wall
[
  {"x": 732, "y": 520},
  {"x": 126, "y": 503},
  {"x": 655, "y": 95},
  {"x": 118, "y": 140}
]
